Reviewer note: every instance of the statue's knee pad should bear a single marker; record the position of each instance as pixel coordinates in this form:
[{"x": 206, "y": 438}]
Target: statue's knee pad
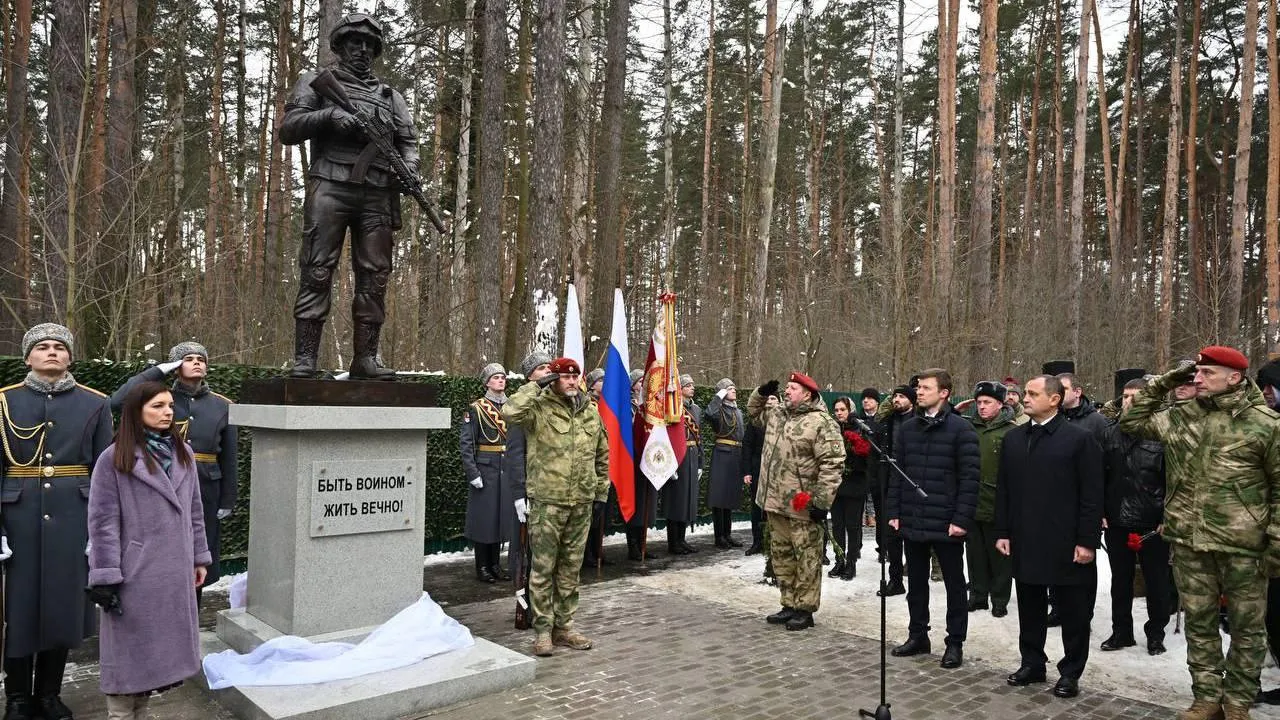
[{"x": 317, "y": 277}]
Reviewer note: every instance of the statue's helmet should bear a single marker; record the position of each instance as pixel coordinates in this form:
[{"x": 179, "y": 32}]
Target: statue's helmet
[{"x": 357, "y": 23}]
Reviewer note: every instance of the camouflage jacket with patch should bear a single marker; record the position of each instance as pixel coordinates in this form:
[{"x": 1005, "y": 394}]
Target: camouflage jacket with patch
[
  {"x": 566, "y": 451},
  {"x": 1223, "y": 462},
  {"x": 803, "y": 451}
]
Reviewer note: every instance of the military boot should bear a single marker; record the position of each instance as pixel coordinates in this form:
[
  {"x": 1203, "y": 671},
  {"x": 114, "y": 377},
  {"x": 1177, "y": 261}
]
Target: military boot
[
  {"x": 542, "y": 645},
  {"x": 570, "y": 638},
  {"x": 1235, "y": 712},
  {"x": 306, "y": 341},
  {"x": 1202, "y": 710},
  {"x": 364, "y": 362}
]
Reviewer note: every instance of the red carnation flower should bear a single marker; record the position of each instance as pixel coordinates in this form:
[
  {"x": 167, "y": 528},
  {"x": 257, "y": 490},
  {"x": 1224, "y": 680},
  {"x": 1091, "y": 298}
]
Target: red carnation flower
[
  {"x": 800, "y": 501},
  {"x": 861, "y": 447},
  {"x": 1135, "y": 542}
]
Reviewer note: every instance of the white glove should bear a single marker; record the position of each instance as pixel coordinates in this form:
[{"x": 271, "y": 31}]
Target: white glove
[
  {"x": 224, "y": 513},
  {"x": 168, "y": 367},
  {"x": 722, "y": 393},
  {"x": 5, "y": 552},
  {"x": 477, "y": 483},
  {"x": 522, "y": 509},
  {"x": 344, "y": 375},
  {"x": 88, "y": 548}
]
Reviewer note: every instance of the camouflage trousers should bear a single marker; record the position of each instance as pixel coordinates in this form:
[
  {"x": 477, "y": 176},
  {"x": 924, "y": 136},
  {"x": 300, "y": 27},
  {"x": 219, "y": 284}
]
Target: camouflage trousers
[
  {"x": 557, "y": 538},
  {"x": 1201, "y": 577},
  {"x": 795, "y": 550}
]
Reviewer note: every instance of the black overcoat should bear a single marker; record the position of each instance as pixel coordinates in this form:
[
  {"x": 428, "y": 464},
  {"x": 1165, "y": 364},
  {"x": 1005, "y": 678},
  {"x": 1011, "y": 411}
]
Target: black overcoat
[
  {"x": 482, "y": 442},
  {"x": 680, "y": 494},
  {"x": 1049, "y": 500},
  {"x": 726, "y": 457}
]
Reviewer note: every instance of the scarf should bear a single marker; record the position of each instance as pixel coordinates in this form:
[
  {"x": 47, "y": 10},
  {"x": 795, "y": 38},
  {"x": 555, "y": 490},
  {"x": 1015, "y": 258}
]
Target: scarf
[
  {"x": 160, "y": 448},
  {"x": 40, "y": 385},
  {"x": 195, "y": 391},
  {"x": 495, "y": 398}
]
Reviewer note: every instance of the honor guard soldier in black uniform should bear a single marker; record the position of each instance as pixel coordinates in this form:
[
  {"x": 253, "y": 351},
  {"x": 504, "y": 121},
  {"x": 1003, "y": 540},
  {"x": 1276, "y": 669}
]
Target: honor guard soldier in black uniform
[
  {"x": 725, "y": 494},
  {"x": 482, "y": 440},
  {"x": 54, "y": 430},
  {"x": 680, "y": 494},
  {"x": 352, "y": 187},
  {"x": 200, "y": 417}
]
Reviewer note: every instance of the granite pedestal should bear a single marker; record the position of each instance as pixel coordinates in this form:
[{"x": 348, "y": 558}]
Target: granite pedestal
[{"x": 335, "y": 550}]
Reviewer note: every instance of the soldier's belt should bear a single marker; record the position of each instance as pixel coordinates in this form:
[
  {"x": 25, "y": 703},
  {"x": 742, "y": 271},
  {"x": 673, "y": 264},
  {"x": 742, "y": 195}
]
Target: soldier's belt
[
  {"x": 48, "y": 471},
  {"x": 205, "y": 457},
  {"x": 492, "y": 448},
  {"x": 726, "y": 441}
]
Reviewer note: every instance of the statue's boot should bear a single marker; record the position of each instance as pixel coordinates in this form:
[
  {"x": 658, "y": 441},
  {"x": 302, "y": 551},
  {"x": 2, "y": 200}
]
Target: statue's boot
[
  {"x": 365, "y": 366},
  {"x": 306, "y": 338}
]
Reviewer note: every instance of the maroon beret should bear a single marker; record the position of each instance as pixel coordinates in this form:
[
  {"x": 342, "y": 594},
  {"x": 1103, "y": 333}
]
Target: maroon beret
[
  {"x": 565, "y": 366},
  {"x": 1228, "y": 357},
  {"x": 804, "y": 381}
]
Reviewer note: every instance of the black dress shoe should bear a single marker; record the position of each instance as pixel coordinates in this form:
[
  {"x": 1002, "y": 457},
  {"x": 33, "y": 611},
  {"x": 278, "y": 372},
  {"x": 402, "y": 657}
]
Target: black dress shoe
[
  {"x": 1268, "y": 697},
  {"x": 976, "y": 604},
  {"x": 484, "y": 575},
  {"x": 836, "y": 569},
  {"x": 1156, "y": 647},
  {"x": 1116, "y": 642},
  {"x": 999, "y": 611},
  {"x": 953, "y": 657},
  {"x": 893, "y": 587},
  {"x": 800, "y": 620},
  {"x": 51, "y": 708},
  {"x": 915, "y": 645},
  {"x": 19, "y": 707},
  {"x": 1054, "y": 619},
  {"x": 781, "y": 616},
  {"x": 1066, "y": 688},
  {"x": 1026, "y": 675},
  {"x": 722, "y": 543},
  {"x": 687, "y": 548},
  {"x": 500, "y": 573},
  {"x": 755, "y": 549},
  {"x": 850, "y": 571}
]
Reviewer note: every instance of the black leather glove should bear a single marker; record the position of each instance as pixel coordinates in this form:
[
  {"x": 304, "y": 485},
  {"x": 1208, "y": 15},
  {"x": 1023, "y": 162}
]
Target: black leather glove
[
  {"x": 106, "y": 597},
  {"x": 817, "y": 514},
  {"x": 769, "y": 388},
  {"x": 547, "y": 379}
]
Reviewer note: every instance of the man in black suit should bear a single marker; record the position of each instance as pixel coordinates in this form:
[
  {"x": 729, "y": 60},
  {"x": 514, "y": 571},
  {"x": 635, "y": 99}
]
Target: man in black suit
[{"x": 1049, "y": 520}]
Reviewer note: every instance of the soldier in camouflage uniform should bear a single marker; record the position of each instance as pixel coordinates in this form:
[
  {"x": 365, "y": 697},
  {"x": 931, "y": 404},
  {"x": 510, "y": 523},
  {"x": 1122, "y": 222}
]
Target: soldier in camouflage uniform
[
  {"x": 567, "y": 467},
  {"x": 803, "y": 456},
  {"x": 1221, "y": 518}
]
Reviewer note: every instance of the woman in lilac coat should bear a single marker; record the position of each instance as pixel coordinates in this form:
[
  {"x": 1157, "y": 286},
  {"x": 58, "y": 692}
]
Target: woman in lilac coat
[{"x": 147, "y": 555}]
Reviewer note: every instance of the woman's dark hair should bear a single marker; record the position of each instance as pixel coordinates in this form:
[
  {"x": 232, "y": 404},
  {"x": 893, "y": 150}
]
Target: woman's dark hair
[
  {"x": 132, "y": 435},
  {"x": 846, "y": 401}
]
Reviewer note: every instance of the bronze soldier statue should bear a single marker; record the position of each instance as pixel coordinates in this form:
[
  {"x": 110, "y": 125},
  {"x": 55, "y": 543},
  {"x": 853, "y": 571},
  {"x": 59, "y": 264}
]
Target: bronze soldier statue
[{"x": 353, "y": 185}]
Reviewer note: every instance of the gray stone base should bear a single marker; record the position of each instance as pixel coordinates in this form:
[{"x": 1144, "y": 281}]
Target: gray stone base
[{"x": 433, "y": 683}]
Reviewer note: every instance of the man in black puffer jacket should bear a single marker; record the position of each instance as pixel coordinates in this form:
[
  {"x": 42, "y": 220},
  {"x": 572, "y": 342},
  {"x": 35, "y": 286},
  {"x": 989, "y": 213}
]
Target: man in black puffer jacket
[
  {"x": 938, "y": 449},
  {"x": 1134, "y": 506}
]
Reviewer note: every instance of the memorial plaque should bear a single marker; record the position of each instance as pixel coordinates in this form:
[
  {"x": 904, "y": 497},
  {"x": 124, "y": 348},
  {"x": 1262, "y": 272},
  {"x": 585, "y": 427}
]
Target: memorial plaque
[{"x": 349, "y": 497}]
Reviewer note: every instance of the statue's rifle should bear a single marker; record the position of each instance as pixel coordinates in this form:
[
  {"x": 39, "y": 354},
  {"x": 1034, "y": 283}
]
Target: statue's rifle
[{"x": 375, "y": 127}]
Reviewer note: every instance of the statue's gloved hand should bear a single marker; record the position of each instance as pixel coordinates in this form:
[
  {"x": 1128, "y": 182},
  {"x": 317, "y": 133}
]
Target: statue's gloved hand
[{"x": 345, "y": 123}]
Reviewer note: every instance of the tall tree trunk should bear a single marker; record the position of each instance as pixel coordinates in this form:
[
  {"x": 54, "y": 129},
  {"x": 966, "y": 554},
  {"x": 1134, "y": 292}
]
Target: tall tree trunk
[
  {"x": 209, "y": 299},
  {"x": 330, "y": 16},
  {"x": 1168, "y": 250},
  {"x": 708, "y": 116},
  {"x": 278, "y": 203},
  {"x": 608, "y": 272},
  {"x": 983, "y": 179},
  {"x": 1059, "y": 141},
  {"x": 809, "y": 138},
  {"x": 948, "y": 41},
  {"x": 579, "y": 184},
  {"x": 900, "y": 336},
  {"x": 518, "y": 311},
  {"x": 1230, "y": 327},
  {"x": 1195, "y": 255},
  {"x": 458, "y": 282},
  {"x": 668, "y": 249},
  {"x": 548, "y": 172},
  {"x": 488, "y": 243},
  {"x": 15, "y": 213},
  {"x": 768, "y": 164},
  {"x": 1272, "y": 343},
  {"x": 1079, "y": 141},
  {"x": 1108, "y": 173},
  {"x": 61, "y": 235},
  {"x": 1118, "y": 271}
]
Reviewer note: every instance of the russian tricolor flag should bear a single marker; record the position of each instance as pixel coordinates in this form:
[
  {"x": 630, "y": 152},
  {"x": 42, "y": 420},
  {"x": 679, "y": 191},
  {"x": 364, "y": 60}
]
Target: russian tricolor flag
[{"x": 615, "y": 411}]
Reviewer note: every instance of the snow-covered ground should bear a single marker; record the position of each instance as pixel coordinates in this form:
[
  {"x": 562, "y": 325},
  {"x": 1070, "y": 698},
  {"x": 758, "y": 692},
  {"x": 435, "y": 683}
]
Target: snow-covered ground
[{"x": 853, "y": 607}]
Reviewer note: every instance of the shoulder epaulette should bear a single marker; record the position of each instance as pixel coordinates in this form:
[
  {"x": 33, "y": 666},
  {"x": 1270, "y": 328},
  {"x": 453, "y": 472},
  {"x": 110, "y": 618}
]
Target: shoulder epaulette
[
  {"x": 11, "y": 387},
  {"x": 1269, "y": 412},
  {"x": 224, "y": 397},
  {"x": 99, "y": 393}
]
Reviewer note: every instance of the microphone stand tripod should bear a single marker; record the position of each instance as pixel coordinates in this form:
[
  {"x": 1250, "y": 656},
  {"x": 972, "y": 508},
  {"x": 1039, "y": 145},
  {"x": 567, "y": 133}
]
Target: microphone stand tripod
[{"x": 882, "y": 711}]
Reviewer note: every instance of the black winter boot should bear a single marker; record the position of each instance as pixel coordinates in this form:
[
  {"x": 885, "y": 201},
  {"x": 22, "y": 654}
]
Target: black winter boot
[
  {"x": 50, "y": 666},
  {"x": 364, "y": 363},
  {"x": 306, "y": 343},
  {"x": 17, "y": 688},
  {"x": 684, "y": 543}
]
